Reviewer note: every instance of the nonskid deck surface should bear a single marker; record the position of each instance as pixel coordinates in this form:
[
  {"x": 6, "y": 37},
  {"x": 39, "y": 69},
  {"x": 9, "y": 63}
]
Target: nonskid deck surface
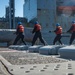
[{"x": 22, "y": 62}]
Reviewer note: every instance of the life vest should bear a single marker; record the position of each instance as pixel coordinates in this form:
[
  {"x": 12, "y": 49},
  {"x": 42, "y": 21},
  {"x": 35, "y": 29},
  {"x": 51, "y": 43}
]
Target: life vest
[
  {"x": 59, "y": 30},
  {"x": 21, "y": 28},
  {"x": 38, "y": 27},
  {"x": 73, "y": 27}
]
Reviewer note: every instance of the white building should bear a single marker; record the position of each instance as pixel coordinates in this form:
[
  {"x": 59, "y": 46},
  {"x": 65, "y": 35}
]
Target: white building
[
  {"x": 48, "y": 13},
  {"x": 30, "y": 9},
  {"x": 44, "y": 10}
]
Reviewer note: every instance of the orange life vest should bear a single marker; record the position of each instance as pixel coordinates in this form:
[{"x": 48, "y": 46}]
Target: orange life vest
[
  {"x": 73, "y": 27},
  {"x": 38, "y": 27},
  {"x": 59, "y": 30},
  {"x": 21, "y": 28}
]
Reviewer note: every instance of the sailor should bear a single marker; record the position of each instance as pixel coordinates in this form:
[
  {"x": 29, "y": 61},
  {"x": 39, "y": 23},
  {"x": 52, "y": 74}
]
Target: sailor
[
  {"x": 58, "y": 32},
  {"x": 36, "y": 30},
  {"x": 20, "y": 33},
  {"x": 72, "y": 30}
]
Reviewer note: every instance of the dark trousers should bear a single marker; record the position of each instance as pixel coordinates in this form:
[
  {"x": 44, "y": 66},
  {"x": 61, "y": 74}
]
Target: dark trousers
[
  {"x": 19, "y": 36},
  {"x": 57, "y": 38},
  {"x": 38, "y": 35},
  {"x": 72, "y": 38}
]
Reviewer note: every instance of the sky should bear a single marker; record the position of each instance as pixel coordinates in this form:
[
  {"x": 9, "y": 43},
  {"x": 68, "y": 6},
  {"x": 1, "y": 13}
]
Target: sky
[{"x": 18, "y": 7}]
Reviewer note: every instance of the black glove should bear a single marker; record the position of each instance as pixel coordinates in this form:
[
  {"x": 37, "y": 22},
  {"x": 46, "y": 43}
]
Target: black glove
[
  {"x": 68, "y": 31},
  {"x": 32, "y": 32},
  {"x": 50, "y": 31}
]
